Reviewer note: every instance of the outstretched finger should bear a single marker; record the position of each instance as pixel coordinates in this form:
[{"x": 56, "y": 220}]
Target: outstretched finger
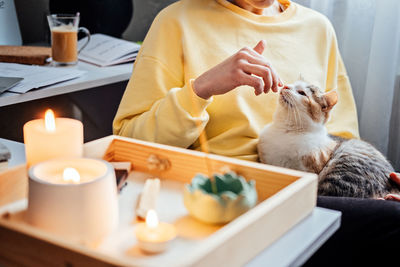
[
  {"x": 253, "y": 81},
  {"x": 263, "y": 62},
  {"x": 262, "y": 72},
  {"x": 259, "y": 48}
]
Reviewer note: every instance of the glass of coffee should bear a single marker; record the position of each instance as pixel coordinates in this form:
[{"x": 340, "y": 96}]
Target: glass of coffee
[{"x": 64, "y": 38}]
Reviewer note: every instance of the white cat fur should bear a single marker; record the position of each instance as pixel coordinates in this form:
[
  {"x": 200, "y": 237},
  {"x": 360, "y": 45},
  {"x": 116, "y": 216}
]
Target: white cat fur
[{"x": 284, "y": 143}]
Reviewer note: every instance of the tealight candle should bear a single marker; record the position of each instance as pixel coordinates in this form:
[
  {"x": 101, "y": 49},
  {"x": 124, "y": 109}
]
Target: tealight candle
[
  {"x": 73, "y": 197},
  {"x": 52, "y": 138},
  {"x": 154, "y": 236}
]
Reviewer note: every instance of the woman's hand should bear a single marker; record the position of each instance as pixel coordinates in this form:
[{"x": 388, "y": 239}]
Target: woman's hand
[
  {"x": 395, "y": 178},
  {"x": 237, "y": 70}
]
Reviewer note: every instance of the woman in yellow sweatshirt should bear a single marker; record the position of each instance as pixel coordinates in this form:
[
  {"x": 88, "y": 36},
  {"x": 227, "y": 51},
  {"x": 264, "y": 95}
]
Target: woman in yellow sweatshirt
[{"x": 196, "y": 67}]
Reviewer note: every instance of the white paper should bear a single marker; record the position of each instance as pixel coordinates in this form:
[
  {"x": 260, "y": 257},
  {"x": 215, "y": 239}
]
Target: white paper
[
  {"x": 36, "y": 76},
  {"x": 104, "y": 50},
  {"x": 7, "y": 93}
]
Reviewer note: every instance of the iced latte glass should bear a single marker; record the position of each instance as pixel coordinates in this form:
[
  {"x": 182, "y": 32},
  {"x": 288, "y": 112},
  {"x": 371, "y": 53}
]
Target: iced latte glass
[{"x": 64, "y": 38}]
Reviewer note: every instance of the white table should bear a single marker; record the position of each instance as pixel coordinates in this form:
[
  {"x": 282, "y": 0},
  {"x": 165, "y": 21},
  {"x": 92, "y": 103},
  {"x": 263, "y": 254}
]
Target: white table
[
  {"x": 95, "y": 107},
  {"x": 94, "y": 77},
  {"x": 292, "y": 249}
]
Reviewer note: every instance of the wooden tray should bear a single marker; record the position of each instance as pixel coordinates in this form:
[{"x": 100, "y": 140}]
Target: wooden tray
[{"x": 285, "y": 197}]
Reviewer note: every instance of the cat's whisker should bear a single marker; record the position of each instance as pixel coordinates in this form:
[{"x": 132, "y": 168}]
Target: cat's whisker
[
  {"x": 295, "y": 119},
  {"x": 300, "y": 125},
  {"x": 295, "y": 109},
  {"x": 292, "y": 115},
  {"x": 289, "y": 115},
  {"x": 289, "y": 109}
]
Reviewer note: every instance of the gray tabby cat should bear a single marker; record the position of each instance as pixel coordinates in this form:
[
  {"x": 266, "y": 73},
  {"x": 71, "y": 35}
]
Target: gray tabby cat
[{"x": 297, "y": 138}]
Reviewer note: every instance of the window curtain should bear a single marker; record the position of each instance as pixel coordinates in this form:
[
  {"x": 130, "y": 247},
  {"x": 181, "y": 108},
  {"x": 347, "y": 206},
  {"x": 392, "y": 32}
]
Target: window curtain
[{"x": 368, "y": 33}]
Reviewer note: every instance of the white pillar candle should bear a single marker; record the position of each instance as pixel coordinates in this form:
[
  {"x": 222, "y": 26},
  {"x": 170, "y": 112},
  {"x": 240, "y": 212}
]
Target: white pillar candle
[
  {"x": 52, "y": 138},
  {"x": 83, "y": 208}
]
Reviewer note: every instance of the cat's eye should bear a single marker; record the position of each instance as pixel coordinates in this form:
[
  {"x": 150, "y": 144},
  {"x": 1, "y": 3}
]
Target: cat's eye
[{"x": 301, "y": 93}]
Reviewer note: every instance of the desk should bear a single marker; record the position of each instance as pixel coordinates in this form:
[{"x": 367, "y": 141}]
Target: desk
[
  {"x": 292, "y": 249},
  {"x": 95, "y": 107},
  {"x": 94, "y": 77}
]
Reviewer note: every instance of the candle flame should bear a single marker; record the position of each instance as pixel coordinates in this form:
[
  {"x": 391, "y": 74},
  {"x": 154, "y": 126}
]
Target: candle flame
[
  {"x": 71, "y": 174},
  {"x": 49, "y": 121},
  {"x": 151, "y": 219}
]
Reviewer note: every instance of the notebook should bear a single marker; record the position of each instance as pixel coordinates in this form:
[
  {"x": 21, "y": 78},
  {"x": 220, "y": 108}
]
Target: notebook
[{"x": 104, "y": 50}]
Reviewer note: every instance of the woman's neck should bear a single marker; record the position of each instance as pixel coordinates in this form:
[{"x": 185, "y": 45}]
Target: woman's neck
[{"x": 271, "y": 10}]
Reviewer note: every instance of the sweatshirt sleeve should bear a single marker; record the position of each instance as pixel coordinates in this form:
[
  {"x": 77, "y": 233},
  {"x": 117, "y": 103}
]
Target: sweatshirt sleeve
[
  {"x": 158, "y": 104},
  {"x": 343, "y": 121}
]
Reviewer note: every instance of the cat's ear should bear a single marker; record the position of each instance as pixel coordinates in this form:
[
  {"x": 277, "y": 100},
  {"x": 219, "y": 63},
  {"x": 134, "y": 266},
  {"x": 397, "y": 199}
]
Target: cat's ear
[
  {"x": 301, "y": 78},
  {"x": 331, "y": 98}
]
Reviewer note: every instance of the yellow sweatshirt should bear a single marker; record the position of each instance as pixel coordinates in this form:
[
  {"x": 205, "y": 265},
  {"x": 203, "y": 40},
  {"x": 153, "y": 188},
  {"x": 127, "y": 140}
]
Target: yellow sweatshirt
[{"x": 189, "y": 37}]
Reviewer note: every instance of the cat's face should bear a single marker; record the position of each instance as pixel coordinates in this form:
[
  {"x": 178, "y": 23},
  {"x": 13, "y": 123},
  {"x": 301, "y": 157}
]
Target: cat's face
[{"x": 304, "y": 104}]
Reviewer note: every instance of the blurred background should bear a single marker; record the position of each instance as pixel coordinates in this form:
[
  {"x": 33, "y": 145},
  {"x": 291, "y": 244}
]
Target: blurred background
[{"x": 34, "y": 13}]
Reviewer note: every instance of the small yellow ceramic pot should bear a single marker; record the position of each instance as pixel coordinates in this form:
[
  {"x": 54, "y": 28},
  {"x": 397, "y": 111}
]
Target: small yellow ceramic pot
[{"x": 233, "y": 197}]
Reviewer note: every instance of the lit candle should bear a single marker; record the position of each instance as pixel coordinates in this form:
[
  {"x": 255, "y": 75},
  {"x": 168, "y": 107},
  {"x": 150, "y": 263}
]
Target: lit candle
[
  {"x": 73, "y": 197},
  {"x": 52, "y": 138},
  {"x": 154, "y": 236},
  {"x": 70, "y": 174}
]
